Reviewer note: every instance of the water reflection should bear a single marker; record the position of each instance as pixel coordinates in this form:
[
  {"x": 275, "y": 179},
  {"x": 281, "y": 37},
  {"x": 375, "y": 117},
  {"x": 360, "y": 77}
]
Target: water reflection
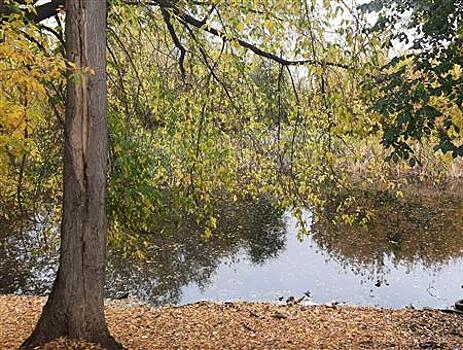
[
  {"x": 155, "y": 267},
  {"x": 183, "y": 257},
  {"x": 411, "y": 253},
  {"x": 424, "y": 230},
  {"x": 28, "y": 257}
]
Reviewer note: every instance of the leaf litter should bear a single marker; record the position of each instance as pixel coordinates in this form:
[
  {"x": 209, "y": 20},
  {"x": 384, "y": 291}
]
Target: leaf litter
[{"x": 243, "y": 325}]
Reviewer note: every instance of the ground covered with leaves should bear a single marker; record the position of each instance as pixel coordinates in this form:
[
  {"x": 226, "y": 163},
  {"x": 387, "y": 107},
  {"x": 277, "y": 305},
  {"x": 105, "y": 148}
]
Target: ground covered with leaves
[{"x": 249, "y": 326}]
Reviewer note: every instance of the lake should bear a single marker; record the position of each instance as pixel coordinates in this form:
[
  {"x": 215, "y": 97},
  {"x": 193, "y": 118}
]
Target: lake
[{"x": 409, "y": 255}]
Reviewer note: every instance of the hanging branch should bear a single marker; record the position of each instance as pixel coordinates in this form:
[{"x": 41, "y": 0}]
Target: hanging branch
[
  {"x": 54, "y": 6},
  {"x": 185, "y": 18},
  {"x": 176, "y": 40}
]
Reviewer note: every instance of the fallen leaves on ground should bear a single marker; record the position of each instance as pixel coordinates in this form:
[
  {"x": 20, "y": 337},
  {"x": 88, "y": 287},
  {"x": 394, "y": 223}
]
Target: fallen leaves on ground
[{"x": 249, "y": 326}]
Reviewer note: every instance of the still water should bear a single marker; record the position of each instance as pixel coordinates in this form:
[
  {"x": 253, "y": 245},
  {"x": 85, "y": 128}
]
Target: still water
[
  {"x": 411, "y": 254},
  {"x": 305, "y": 266}
]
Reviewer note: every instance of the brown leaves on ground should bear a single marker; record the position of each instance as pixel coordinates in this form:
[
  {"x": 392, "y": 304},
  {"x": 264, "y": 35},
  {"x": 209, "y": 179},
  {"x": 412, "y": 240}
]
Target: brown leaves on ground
[{"x": 249, "y": 326}]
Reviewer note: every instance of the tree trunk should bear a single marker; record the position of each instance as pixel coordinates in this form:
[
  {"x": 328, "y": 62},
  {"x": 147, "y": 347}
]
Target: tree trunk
[{"x": 75, "y": 306}]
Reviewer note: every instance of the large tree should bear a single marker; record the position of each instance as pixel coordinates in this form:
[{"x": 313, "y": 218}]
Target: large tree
[{"x": 75, "y": 305}]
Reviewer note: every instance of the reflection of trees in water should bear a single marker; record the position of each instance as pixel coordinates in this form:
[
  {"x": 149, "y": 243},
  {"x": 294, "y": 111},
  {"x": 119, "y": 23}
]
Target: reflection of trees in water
[
  {"x": 182, "y": 257},
  {"x": 153, "y": 267},
  {"x": 28, "y": 257},
  {"x": 13, "y": 277},
  {"x": 425, "y": 230}
]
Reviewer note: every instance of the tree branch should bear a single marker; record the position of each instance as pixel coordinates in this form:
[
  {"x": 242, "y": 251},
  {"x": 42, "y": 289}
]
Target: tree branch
[
  {"x": 176, "y": 40},
  {"x": 51, "y": 8},
  {"x": 185, "y": 18},
  {"x": 41, "y": 13},
  {"x": 46, "y": 10}
]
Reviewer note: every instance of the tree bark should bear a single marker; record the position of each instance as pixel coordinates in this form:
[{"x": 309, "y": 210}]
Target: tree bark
[{"x": 75, "y": 307}]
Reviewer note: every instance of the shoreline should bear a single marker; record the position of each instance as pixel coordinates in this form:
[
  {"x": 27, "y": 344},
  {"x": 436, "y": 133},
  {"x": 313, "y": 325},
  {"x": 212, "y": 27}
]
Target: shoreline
[{"x": 249, "y": 325}]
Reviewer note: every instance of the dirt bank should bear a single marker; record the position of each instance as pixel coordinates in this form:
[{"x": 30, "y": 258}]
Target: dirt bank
[{"x": 250, "y": 326}]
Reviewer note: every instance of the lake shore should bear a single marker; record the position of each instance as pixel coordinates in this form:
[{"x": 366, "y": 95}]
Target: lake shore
[{"x": 249, "y": 326}]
